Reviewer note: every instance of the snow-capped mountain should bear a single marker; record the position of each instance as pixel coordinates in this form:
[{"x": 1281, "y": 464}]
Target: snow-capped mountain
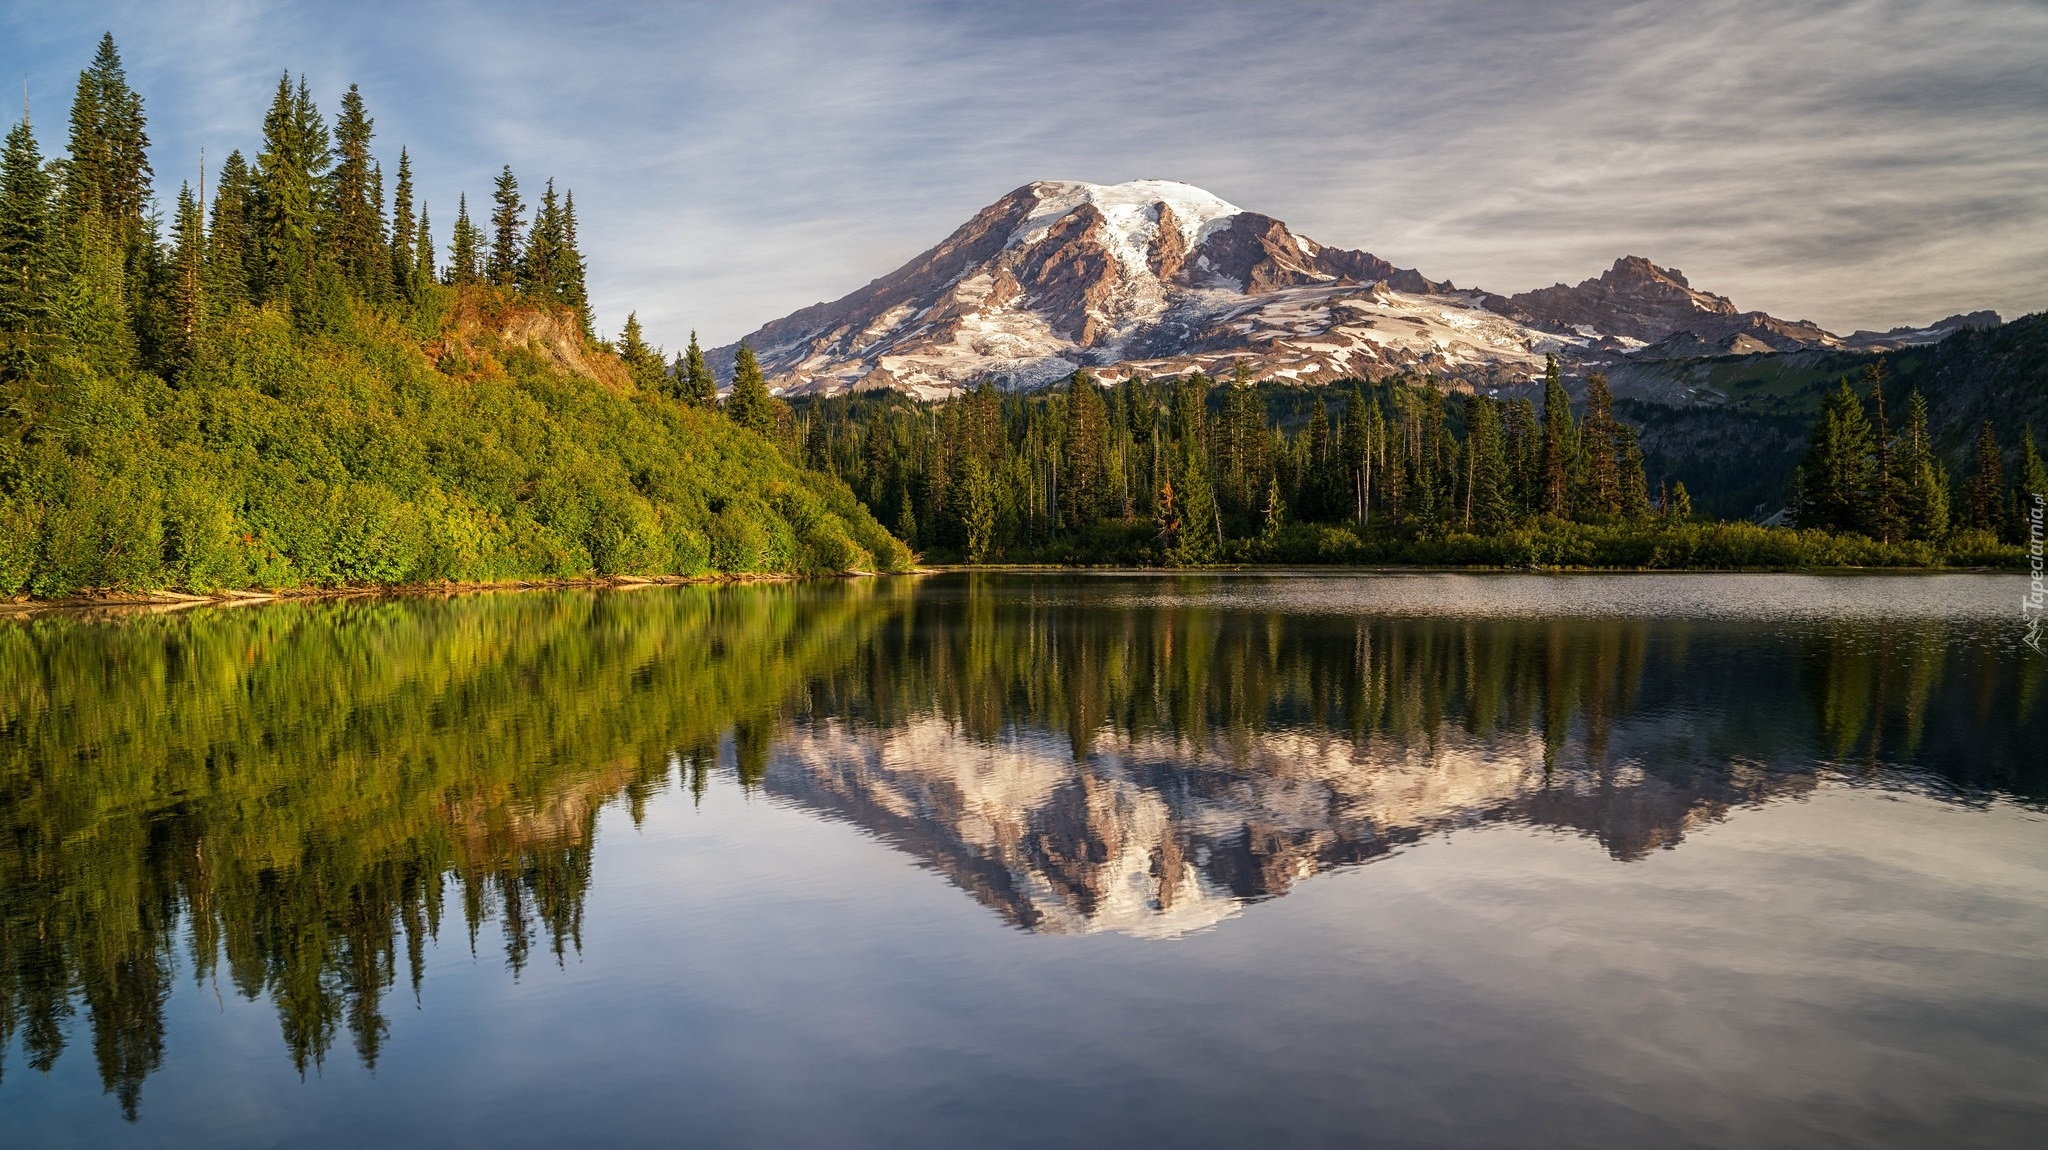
[{"x": 1159, "y": 277}]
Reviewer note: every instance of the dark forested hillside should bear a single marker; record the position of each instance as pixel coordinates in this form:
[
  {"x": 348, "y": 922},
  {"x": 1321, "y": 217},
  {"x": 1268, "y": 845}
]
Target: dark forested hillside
[
  {"x": 1188, "y": 471},
  {"x": 287, "y": 388},
  {"x": 1738, "y": 451}
]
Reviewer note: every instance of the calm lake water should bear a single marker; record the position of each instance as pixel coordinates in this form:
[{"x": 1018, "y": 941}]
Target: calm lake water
[{"x": 970, "y": 861}]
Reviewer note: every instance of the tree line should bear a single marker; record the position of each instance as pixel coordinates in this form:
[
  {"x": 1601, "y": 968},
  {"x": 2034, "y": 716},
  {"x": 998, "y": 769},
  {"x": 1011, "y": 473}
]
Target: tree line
[
  {"x": 238, "y": 398},
  {"x": 1198, "y": 471},
  {"x": 1864, "y": 474},
  {"x": 89, "y": 267}
]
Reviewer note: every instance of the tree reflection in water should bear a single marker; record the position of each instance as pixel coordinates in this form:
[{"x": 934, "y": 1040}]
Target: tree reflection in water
[{"x": 287, "y": 798}]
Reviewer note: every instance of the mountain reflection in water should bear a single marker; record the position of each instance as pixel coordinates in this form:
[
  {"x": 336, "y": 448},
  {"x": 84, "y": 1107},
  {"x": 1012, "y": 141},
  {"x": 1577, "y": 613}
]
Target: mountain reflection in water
[{"x": 294, "y": 800}]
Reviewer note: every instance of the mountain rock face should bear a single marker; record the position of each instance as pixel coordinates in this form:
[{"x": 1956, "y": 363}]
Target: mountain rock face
[{"x": 1160, "y": 278}]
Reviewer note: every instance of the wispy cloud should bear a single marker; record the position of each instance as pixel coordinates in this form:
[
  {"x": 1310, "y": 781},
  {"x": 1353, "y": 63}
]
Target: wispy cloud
[{"x": 1859, "y": 164}]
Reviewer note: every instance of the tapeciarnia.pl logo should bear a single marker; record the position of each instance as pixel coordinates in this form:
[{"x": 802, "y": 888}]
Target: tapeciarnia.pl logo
[{"x": 2037, "y": 595}]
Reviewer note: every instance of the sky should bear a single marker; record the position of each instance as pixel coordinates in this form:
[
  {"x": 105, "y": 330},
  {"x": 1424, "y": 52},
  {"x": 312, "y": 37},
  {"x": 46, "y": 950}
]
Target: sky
[{"x": 1861, "y": 165}]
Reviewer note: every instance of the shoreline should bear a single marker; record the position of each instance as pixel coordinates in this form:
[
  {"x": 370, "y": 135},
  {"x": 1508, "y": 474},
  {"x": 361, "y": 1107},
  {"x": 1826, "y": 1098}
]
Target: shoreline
[{"x": 153, "y": 602}]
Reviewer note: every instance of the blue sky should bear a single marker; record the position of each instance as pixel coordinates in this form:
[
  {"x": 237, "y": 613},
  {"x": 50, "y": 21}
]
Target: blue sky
[{"x": 1857, "y": 164}]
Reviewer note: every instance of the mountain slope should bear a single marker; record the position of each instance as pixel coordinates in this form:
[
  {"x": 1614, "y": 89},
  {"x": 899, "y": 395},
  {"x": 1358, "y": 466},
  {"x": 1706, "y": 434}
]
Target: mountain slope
[{"x": 1159, "y": 277}]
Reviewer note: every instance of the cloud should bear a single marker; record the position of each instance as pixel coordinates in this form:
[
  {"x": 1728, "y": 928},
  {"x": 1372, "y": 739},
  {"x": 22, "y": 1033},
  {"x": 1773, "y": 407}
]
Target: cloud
[{"x": 1859, "y": 164}]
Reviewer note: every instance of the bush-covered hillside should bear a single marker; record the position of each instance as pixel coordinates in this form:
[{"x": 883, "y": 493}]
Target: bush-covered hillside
[
  {"x": 283, "y": 457},
  {"x": 282, "y": 390}
]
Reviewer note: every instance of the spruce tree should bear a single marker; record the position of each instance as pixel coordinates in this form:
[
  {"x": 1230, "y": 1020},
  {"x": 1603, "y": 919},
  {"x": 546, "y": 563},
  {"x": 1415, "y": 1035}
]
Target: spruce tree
[
  {"x": 1632, "y": 493},
  {"x": 1084, "y": 454},
  {"x": 189, "y": 304},
  {"x": 573, "y": 291},
  {"x": 404, "y": 263},
  {"x": 1520, "y": 429},
  {"x": 748, "y": 404},
  {"x": 542, "y": 267},
  {"x": 1880, "y": 513},
  {"x": 2030, "y": 485},
  {"x": 290, "y": 171},
  {"x": 1987, "y": 488},
  {"x": 353, "y": 222},
  {"x": 1680, "y": 506},
  {"x": 28, "y": 256},
  {"x": 1599, "y": 452},
  {"x": 1317, "y": 465},
  {"x": 1835, "y": 476},
  {"x": 508, "y": 218},
  {"x": 1924, "y": 487},
  {"x": 462, "y": 246},
  {"x": 1354, "y": 447},
  {"x": 423, "y": 251},
  {"x": 233, "y": 265},
  {"x": 699, "y": 385},
  {"x": 642, "y": 362},
  {"x": 107, "y": 171},
  {"x": 1489, "y": 502},
  {"x": 1196, "y": 541},
  {"x": 1560, "y": 443}
]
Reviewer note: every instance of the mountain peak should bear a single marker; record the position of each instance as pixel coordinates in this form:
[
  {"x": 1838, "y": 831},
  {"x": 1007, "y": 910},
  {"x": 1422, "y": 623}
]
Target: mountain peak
[{"x": 1162, "y": 277}]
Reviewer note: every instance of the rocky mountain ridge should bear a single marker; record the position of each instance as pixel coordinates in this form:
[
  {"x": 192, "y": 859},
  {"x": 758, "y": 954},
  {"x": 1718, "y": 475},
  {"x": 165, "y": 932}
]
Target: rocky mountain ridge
[{"x": 1157, "y": 277}]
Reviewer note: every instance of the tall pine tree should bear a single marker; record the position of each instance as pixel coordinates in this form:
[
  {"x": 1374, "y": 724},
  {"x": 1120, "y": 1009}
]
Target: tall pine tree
[
  {"x": 749, "y": 404},
  {"x": 290, "y": 172},
  {"x": 28, "y": 256},
  {"x": 404, "y": 263},
  {"x": 508, "y": 218}
]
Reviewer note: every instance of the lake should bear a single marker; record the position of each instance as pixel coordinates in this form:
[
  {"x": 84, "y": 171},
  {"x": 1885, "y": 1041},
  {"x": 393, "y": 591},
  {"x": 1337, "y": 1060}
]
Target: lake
[{"x": 982, "y": 860}]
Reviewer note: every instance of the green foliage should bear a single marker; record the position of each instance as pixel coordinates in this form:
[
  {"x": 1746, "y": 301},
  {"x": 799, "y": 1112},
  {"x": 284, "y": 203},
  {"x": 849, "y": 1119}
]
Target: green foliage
[
  {"x": 288, "y": 458},
  {"x": 249, "y": 406},
  {"x": 749, "y": 403}
]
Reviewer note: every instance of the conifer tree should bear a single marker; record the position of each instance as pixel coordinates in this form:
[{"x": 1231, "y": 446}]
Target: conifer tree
[
  {"x": 1318, "y": 465},
  {"x": 1524, "y": 440},
  {"x": 977, "y": 510},
  {"x": 1599, "y": 451},
  {"x": 189, "y": 304},
  {"x": 1924, "y": 487},
  {"x": 1680, "y": 505},
  {"x": 290, "y": 172},
  {"x": 1086, "y": 448},
  {"x": 570, "y": 277},
  {"x": 232, "y": 260},
  {"x": 2030, "y": 485},
  {"x": 748, "y": 404},
  {"x": 93, "y": 302},
  {"x": 540, "y": 268},
  {"x": 1881, "y": 503},
  {"x": 107, "y": 171},
  {"x": 699, "y": 385},
  {"x": 404, "y": 262},
  {"x": 1632, "y": 492},
  {"x": 1274, "y": 512},
  {"x": 1835, "y": 477},
  {"x": 1196, "y": 541},
  {"x": 1355, "y": 447},
  {"x": 354, "y": 216},
  {"x": 423, "y": 251},
  {"x": 642, "y": 361},
  {"x": 1560, "y": 443},
  {"x": 463, "y": 251},
  {"x": 508, "y": 217},
  {"x": 28, "y": 255},
  {"x": 1489, "y": 504},
  {"x": 1987, "y": 489}
]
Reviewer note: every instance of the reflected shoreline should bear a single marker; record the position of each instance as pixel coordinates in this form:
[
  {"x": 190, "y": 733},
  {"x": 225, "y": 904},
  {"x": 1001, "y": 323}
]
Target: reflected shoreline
[{"x": 302, "y": 795}]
